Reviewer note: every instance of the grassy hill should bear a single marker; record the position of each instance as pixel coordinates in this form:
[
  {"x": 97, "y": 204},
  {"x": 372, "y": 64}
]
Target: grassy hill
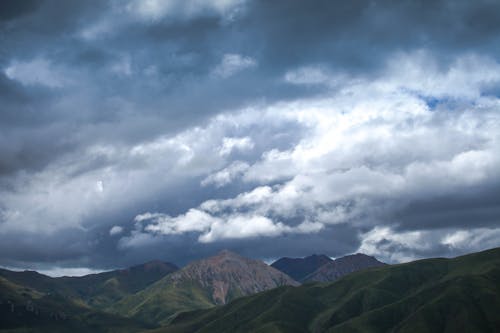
[
  {"x": 163, "y": 299},
  {"x": 433, "y": 295}
]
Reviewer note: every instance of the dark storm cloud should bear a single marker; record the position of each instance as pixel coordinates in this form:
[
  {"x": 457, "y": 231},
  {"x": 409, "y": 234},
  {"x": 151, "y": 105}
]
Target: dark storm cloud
[
  {"x": 11, "y": 9},
  {"x": 85, "y": 85},
  {"x": 29, "y": 247},
  {"x": 359, "y": 35},
  {"x": 477, "y": 207}
]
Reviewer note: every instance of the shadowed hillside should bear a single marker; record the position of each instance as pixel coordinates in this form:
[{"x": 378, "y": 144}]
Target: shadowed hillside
[{"x": 23, "y": 309}]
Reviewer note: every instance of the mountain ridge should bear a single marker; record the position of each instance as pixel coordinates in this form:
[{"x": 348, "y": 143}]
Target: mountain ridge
[
  {"x": 299, "y": 268},
  {"x": 342, "y": 266},
  {"x": 98, "y": 290}
]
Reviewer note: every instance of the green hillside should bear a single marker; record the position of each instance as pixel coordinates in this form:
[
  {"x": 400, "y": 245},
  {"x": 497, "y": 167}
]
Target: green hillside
[
  {"x": 95, "y": 290},
  {"x": 433, "y": 295},
  {"x": 23, "y": 309},
  {"x": 159, "y": 302}
]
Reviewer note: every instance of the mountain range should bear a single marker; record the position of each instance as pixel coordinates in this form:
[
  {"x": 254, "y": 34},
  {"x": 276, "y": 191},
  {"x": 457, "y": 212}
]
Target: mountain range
[
  {"x": 432, "y": 295},
  {"x": 320, "y": 268},
  {"x": 230, "y": 293}
]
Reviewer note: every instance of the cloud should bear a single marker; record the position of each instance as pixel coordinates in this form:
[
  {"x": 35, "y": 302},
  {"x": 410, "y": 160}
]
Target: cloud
[
  {"x": 308, "y": 75},
  {"x": 392, "y": 246},
  {"x": 365, "y": 155},
  {"x": 464, "y": 78},
  {"x": 238, "y": 227},
  {"x": 115, "y": 230},
  {"x": 193, "y": 220},
  {"x": 174, "y": 9},
  {"x": 318, "y": 121},
  {"x": 63, "y": 271},
  {"x": 231, "y": 144},
  {"x": 211, "y": 228},
  {"x": 232, "y": 64},
  {"x": 226, "y": 175},
  {"x": 37, "y": 71}
]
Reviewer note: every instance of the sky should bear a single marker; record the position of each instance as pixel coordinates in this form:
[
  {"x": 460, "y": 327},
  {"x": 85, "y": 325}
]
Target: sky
[{"x": 133, "y": 130}]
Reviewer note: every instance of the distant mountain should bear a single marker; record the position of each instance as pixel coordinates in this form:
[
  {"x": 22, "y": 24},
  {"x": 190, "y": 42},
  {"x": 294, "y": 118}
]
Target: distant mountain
[
  {"x": 432, "y": 295},
  {"x": 299, "y": 268},
  {"x": 337, "y": 268},
  {"x": 102, "y": 289},
  {"x": 97, "y": 290},
  {"x": 202, "y": 284}
]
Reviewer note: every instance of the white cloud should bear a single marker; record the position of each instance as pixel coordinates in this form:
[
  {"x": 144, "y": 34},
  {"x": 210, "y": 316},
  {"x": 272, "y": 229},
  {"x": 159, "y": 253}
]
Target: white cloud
[
  {"x": 99, "y": 186},
  {"x": 115, "y": 230},
  {"x": 72, "y": 271},
  {"x": 464, "y": 78},
  {"x": 232, "y": 64},
  {"x": 474, "y": 239},
  {"x": 182, "y": 9},
  {"x": 391, "y": 245},
  {"x": 38, "y": 71},
  {"x": 226, "y": 175},
  {"x": 308, "y": 75},
  {"x": 231, "y": 144},
  {"x": 242, "y": 227},
  {"x": 194, "y": 220},
  {"x": 211, "y": 227}
]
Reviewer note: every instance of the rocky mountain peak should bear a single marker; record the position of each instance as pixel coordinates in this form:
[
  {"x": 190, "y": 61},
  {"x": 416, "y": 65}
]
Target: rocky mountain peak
[{"x": 228, "y": 275}]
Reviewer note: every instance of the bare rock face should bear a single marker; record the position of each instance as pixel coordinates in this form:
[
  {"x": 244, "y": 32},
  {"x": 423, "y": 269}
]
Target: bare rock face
[
  {"x": 342, "y": 266},
  {"x": 229, "y": 275}
]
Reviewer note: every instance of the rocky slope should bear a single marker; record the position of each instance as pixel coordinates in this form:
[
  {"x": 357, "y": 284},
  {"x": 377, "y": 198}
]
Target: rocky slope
[
  {"x": 228, "y": 275},
  {"x": 299, "y": 268}
]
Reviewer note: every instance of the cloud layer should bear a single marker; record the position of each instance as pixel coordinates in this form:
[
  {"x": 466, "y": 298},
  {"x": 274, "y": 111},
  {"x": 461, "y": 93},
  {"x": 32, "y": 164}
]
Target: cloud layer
[{"x": 133, "y": 130}]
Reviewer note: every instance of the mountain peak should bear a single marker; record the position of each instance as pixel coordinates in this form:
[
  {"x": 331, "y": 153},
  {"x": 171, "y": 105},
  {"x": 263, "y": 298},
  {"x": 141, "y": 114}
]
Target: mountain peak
[
  {"x": 205, "y": 283},
  {"x": 339, "y": 267},
  {"x": 298, "y": 268},
  {"x": 229, "y": 273}
]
